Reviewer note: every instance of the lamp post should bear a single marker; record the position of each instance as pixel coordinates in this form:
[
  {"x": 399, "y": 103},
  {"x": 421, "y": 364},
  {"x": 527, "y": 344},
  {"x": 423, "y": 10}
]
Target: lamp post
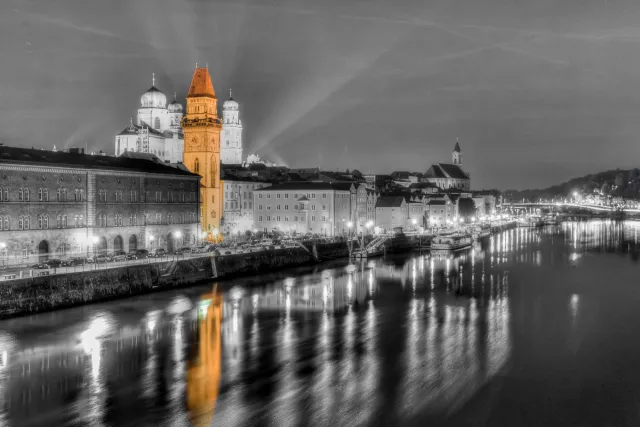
[
  {"x": 349, "y": 225},
  {"x": 95, "y": 257},
  {"x": 414, "y": 222}
]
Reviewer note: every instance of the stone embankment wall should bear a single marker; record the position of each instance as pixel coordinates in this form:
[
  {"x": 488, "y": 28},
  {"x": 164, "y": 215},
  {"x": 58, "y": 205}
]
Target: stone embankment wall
[{"x": 36, "y": 294}]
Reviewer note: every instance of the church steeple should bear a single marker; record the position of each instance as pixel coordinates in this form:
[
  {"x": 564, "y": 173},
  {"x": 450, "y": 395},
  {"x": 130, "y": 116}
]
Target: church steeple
[{"x": 456, "y": 156}]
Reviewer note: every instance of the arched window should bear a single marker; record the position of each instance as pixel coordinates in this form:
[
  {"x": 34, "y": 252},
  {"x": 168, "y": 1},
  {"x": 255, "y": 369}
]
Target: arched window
[
  {"x": 40, "y": 195},
  {"x": 196, "y": 166},
  {"x": 4, "y": 223},
  {"x": 20, "y": 223},
  {"x": 157, "y": 123},
  {"x": 40, "y": 221},
  {"x": 46, "y": 194},
  {"x": 46, "y": 222},
  {"x": 27, "y": 222}
]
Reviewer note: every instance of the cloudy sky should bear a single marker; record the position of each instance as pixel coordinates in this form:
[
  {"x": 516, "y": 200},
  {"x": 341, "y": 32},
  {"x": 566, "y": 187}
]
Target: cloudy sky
[{"x": 536, "y": 91}]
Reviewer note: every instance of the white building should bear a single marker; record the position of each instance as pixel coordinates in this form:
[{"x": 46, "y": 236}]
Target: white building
[
  {"x": 238, "y": 204},
  {"x": 231, "y": 136},
  {"x": 156, "y": 129}
]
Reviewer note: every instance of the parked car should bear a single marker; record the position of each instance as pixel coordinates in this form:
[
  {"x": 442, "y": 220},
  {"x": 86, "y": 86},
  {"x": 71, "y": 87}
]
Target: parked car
[
  {"x": 39, "y": 266},
  {"x": 142, "y": 253},
  {"x": 74, "y": 261},
  {"x": 119, "y": 256},
  {"x": 101, "y": 258},
  {"x": 159, "y": 252},
  {"x": 53, "y": 263},
  {"x": 132, "y": 256}
]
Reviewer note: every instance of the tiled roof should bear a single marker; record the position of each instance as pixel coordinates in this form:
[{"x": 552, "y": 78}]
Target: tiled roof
[
  {"x": 389, "y": 202},
  {"x": 445, "y": 170},
  {"x": 454, "y": 171},
  {"x": 201, "y": 84},
  {"x": 31, "y": 156}
]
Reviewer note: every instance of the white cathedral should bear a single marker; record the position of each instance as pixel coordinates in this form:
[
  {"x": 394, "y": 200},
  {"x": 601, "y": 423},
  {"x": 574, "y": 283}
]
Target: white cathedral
[
  {"x": 231, "y": 135},
  {"x": 158, "y": 131}
]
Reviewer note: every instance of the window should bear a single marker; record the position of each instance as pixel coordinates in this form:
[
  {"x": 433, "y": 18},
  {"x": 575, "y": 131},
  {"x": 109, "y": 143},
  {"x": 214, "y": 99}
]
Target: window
[
  {"x": 25, "y": 253},
  {"x": 313, "y": 196},
  {"x": 260, "y": 218},
  {"x": 268, "y": 218},
  {"x": 157, "y": 123},
  {"x": 40, "y": 195},
  {"x": 278, "y": 207},
  {"x": 313, "y": 218},
  {"x": 313, "y": 207},
  {"x": 295, "y": 218},
  {"x": 46, "y": 194},
  {"x": 158, "y": 196},
  {"x": 324, "y": 195},
  {"x": 324, "y": 207},
  {"x": 286, "y": 207},
  {"x": 21, "y": 197},
  {"x": 40, "y": 221},
  {"x": 278, "y": 218},
  {"x": 133, "y": 196},
  {"x": 260, "y": 207},
  {"x": 324, "y": 218},
  {"x": 196, "y": 165},
  {"x": 64, "y": 221},
  {"x": 268, "y": 207},
  {"x": 4, "y": 195},
  {"x": 260, "y": 196},
  {"x": 278, "y": 196},
  {"x": 286, "y": 196},
  {"x": 286, "y": 218},
  {"x": 135, "y": 220},
  {"x": 158, "y": 218},
  {"x": 76, "y": 194}
]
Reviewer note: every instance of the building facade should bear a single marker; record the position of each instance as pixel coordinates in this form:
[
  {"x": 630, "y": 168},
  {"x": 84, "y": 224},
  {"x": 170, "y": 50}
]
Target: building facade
[
  {"x": 202, "y": 127},
  {"x": 57, "y": 204},
  {"x": 231, "y": 137},
  {"x": 441, "y": 210},
  {"x": 449, "y": 175},
  {"x": 302, "y": 207},
  {"x": 238, "y": 204},
  {"x": 156, "y": 129}
]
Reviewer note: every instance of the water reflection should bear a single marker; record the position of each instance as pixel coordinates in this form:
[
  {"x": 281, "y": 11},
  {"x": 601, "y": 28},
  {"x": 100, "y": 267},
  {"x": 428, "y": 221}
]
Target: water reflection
[{"x": 377, "y": 342}]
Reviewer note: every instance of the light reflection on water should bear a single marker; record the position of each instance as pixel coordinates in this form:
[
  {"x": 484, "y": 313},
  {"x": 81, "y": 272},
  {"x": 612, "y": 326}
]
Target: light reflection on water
[{"x": 378, "y": 342}]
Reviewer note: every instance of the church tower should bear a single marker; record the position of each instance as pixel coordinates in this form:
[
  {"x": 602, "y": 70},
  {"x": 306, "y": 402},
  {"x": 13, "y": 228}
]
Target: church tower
[
  {"x": 201, "y": 127},
  {"x": 231, "y": 148},
  {"x": 456, "y": 156}
]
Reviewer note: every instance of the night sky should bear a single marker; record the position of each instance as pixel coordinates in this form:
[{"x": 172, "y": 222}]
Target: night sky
[{"x": 537, "y": 91}]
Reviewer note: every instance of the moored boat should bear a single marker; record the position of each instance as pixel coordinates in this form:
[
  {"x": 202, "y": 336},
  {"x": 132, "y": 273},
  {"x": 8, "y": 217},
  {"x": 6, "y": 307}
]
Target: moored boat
[
  {"x": 532, "y": 221},
  {"x": 451, "y": 242},
  {"x": 551, "y": 220},
  {"x": 480, "y": 231}
]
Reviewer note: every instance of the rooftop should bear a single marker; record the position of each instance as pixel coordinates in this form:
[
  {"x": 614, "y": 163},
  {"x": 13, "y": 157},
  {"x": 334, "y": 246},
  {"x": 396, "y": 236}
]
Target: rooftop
[
  {"x": 32, "y": 156},
  {"x": 201, "y": 84},
  {"x": 390, "y": 202}
]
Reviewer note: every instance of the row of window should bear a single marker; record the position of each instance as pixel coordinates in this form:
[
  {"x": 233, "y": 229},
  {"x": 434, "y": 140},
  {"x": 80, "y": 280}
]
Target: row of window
[
  {"x": 295, "y": 207},
  {"x": 236, "y": 205},
  {"x": 102, "y": 220},
  {"x": 172, "y": 196},
  {"x": 308, "y": 195},
  {"x": 62, "y": 195},
  {"x": 44, "y": 222},
  {"x": 295, "y": 218}
]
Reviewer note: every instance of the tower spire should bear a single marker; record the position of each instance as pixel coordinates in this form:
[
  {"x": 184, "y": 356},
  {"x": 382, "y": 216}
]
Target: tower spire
[
  {"x": 230, "y": 97},
  {"x": 175, "y": 95},
  {"x": 153, "y": 79},
  {"x": 196, "y": 65}
]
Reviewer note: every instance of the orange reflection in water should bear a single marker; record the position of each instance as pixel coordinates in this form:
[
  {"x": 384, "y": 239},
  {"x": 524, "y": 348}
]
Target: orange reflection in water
[{"x": 203, "y": 372}]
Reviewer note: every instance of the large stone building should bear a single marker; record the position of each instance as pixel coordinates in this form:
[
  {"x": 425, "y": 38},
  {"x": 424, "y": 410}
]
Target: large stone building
[
  {"x": 231, "y": 137},
  {"x": 156, "y": 129},
  {"x": 303, "y": 207},
  {"x": 58, "y": 204},
  {"x": 238, "y": 203},
  {"x": 202, "y": 127},
  {"x": 449, "y": 175}
]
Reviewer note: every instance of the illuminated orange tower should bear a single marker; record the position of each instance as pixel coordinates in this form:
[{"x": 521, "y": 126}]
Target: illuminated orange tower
[
  {"x": 201, "y": 127},
  {"x": 203, "y": 372}
]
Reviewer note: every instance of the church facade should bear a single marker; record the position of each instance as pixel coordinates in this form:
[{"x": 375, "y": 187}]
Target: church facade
[
  {"x": 231, "y": 137},
  {"x": 156, "y": 129},
  {"x": 449, "y": 175},
  {"x": 202, "y": 127}
]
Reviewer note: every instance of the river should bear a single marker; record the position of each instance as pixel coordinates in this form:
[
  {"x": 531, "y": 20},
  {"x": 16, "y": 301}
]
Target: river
[{"x": 529, "y": 328}]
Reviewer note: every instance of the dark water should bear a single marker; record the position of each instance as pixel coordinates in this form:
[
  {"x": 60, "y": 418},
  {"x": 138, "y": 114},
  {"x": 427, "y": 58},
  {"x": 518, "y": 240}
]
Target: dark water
[{"x": 530, "y": 328}]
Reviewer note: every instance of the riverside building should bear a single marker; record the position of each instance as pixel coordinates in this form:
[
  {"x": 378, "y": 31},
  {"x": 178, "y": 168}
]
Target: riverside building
[{"x": 56, "y": 204}]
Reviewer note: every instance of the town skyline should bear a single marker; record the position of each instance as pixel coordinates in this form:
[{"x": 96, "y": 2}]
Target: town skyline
[{"x": 524, "y": 97}]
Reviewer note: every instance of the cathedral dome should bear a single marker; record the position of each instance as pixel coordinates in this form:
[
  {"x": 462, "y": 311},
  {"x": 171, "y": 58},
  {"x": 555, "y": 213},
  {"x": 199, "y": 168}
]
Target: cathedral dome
[
  {"x": 175, "y": 107},
  {"x": 230, "y": 104},
  {"x": 153, "y": 98}
]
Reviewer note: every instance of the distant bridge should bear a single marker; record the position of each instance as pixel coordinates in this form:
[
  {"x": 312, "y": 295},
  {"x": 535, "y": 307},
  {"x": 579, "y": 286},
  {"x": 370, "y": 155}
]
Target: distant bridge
[{"x": 564, "y": 205}]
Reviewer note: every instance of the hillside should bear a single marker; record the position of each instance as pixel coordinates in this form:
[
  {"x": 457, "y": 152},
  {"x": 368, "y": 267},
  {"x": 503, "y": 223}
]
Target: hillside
[{"x": 620, "y": 182}]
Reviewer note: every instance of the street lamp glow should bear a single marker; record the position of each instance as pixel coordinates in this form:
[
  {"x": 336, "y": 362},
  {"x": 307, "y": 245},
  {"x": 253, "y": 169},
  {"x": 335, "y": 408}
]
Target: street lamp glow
[
  {"x": 203, "y": 234},
  {"x": 151, "y": 238},
  {"x": 178, "y": 234},
  {"x": 95, "y": 239},
  {"x": 3, "y": 245},
  {"x": 369, "y": 224},
  {"x": 349, "y": 224}
]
